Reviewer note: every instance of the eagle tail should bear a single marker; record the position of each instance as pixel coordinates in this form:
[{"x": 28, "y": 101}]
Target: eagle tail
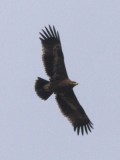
[{"x": 40, "y": 89}]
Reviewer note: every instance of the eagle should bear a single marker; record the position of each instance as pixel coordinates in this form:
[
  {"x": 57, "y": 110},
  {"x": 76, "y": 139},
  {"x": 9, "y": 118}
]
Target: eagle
[{"x": 59, "y": 82}]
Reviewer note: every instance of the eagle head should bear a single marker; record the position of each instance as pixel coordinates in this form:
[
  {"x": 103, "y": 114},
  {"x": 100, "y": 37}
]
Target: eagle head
[{"x": 73, "y": 83}]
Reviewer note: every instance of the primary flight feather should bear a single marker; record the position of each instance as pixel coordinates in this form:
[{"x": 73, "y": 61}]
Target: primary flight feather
[{"x": 59, "y": 82}]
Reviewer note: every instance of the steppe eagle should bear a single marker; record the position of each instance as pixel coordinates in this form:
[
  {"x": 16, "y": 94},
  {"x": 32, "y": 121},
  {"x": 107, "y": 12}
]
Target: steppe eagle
[{"x": 59, "y": 82}]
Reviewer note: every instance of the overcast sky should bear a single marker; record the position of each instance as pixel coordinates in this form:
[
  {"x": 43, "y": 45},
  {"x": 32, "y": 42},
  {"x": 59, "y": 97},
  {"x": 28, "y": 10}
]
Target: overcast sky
[{"x": 32, "y": 129}]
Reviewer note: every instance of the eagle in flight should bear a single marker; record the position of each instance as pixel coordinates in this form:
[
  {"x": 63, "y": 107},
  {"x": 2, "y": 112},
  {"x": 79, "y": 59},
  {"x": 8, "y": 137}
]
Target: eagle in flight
[{"x": 59, "y": 82}]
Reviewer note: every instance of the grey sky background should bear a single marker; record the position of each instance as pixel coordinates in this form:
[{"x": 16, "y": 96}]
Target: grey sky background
[{"x": 90, "y": 34}]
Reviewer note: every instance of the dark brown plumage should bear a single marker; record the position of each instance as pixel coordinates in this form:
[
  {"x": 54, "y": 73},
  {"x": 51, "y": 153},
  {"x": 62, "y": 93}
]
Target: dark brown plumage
[{"x": 59, "y": 82}]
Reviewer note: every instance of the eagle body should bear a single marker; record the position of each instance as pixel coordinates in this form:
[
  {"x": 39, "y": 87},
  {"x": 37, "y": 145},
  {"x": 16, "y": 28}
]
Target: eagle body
[
  {"x": 60, "y": 86},
  {"x": 59, "y": 82}
]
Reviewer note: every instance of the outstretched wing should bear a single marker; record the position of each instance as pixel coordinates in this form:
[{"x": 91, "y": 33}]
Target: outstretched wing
[
  {"x": 71, "y": 108},
  {"x": 52, "y": 54}
]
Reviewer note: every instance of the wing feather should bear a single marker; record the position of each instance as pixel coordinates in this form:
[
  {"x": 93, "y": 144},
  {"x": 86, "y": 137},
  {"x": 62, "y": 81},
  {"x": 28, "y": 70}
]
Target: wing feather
[
  {"x": 72, "y": 109},
  {"x": 48, "y": 32},
  {"x": 53, "y": 58},
  {"x": 51, "y": 31},
  {"x": 55, "y": 33},
  {"x": 47, "y": 36},
  {"x": 43, "y": 37}
]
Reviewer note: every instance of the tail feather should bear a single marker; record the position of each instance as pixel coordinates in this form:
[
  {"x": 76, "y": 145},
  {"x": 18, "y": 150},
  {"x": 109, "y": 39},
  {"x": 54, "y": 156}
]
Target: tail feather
[{"x": 39, "y": 88}]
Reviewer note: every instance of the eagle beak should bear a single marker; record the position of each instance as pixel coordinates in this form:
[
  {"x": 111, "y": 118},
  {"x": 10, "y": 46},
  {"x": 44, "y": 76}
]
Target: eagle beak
[{"x": 75, "y": 83}]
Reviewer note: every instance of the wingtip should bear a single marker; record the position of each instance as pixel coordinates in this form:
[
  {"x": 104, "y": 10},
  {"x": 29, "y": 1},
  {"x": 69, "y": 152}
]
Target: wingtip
[
  {"x": 49, "y": 32},
  {"x": 74, "y": 128},
  {"x": 84, "y": 128}
]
